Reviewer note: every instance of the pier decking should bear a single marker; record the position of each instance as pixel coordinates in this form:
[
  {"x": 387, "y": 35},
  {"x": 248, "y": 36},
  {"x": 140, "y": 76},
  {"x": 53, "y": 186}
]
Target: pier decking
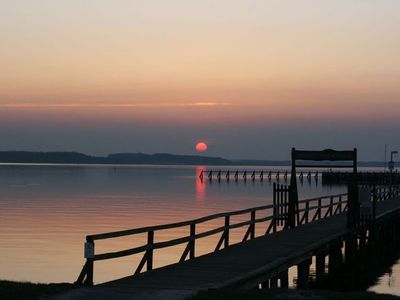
[{"x": 263, "y": 259}]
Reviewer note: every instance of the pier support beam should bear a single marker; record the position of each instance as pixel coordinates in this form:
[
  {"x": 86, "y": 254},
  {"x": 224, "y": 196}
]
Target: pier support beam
[
  {"x": 350, "y": 249},
  {"x": 320, "y": 267},
  {"x": 284, "y": 279},
  {"x": 273, "y": 282},
  {"x": 303, "y": 274},
  {"x": 335, "y": 258}
]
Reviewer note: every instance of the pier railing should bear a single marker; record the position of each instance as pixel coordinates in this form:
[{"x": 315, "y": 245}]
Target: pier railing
[
  {"x": 275, "y": 220},
  {"x": 318, "y": 208}
]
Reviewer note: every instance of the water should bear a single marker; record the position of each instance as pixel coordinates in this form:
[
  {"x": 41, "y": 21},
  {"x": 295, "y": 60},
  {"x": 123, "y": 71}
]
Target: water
[
  {"x": 389, "y": 282},
  {"x": 47, "y": 210}
]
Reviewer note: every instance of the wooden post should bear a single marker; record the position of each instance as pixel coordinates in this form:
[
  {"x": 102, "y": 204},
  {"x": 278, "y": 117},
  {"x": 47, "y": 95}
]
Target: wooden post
[
  {"x": 192, "y": 242},
  {"x": 319, "y": 208},
  {"x": 284, "y": 279},
  {"x": 303, "y": 274},
  {"x": 335, "y": 258},
  {"x": 253, "y": 225},
  {"x": 89, "y": 274},
  {"x": 350, "y": 249},
  {"x": 362, "y": 239},
  {"x": 273, "y": 282},
  {"x": 374, "y": 200},
  {"x": 89, "y": 254},
  {"x": 275, "y": 208},
  {"x": 352, "y": 204},
  {"x": 307, "y": 211},
  {"x": 319, "y": 266},
  {"x": 226, "y": 240},
  {"x": 293, "y": 196},
  {"x": 265, "y": 284},
  {"x": 150, "y": 243}
]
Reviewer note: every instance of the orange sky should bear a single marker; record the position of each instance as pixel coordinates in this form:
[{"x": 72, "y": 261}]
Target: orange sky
[{"x": 186, "y": 62}]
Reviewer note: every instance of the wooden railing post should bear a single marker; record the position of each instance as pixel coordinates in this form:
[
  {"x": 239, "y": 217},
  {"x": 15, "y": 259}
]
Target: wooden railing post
[
  {"x": 86, "y": 274},
  {"x": 192, "y": 242},
  {"x": 319, "y": 208},
  {"x": 150, "y": 243},
  {"x": 89, "y": 254},
  {"x": 374, "y": 199},
  {"x": 307, "y": 211},
  {"x": 226, "y": 240},
  {"x": 275, "y": 209},
  {"x": 340, "y": 204},
  {"x": 253, "y": 224}
]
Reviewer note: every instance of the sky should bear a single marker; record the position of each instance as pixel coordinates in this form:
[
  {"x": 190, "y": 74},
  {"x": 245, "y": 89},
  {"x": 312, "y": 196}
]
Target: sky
[{"x": 251, "y": 78}]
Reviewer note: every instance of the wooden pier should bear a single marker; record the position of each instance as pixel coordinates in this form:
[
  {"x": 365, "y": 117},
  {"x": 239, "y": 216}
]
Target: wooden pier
[
  {"x": 362, "y": 177},
  {"x": 321, "y": 231},
  {"x": 328, "y": 177},
  {"x": 294, "y": 233},
  {"x": 254, "y": 175}
]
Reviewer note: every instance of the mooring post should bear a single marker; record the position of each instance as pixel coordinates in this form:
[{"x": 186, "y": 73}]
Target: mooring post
[{"x": 303, "y": 274}]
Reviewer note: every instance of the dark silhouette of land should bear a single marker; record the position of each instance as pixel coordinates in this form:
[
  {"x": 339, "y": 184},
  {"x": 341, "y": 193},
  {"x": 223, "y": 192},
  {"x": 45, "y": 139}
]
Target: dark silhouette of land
[
  {"x": 139, "y": 158},
  {"x": 117, "y": 158}
]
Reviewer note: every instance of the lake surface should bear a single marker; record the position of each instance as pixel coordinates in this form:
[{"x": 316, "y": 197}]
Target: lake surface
[{"x": 47, "y": 210}]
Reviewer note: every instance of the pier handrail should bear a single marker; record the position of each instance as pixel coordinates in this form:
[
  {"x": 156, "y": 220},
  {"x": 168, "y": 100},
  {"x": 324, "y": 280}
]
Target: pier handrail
[
  {"x": 115, "y": 234},
  {"x": 329, "y": 205}
]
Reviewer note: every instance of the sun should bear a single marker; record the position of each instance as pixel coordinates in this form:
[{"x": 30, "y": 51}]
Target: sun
[{"x": 201, "y": 147}]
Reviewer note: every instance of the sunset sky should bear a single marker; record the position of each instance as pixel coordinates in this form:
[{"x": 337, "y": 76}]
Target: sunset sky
[{"x": 251, "y": 78}]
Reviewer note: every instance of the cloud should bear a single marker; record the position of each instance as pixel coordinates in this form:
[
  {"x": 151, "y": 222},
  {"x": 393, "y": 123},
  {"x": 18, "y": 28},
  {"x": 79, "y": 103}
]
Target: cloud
[{"x": 107, "y": 105}]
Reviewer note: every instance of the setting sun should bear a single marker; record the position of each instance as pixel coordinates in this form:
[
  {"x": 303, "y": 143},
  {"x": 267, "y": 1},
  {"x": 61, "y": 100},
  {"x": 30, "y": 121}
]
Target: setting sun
[{"x": 201, "y": 147}]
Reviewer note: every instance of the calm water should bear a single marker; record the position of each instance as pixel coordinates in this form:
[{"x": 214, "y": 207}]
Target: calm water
[{"x": 47, "y": 210}]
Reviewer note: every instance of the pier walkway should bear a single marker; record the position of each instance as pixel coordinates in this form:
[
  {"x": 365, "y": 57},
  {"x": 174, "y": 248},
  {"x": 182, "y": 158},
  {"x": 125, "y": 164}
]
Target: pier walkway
[{"x": 247, "y": 264}]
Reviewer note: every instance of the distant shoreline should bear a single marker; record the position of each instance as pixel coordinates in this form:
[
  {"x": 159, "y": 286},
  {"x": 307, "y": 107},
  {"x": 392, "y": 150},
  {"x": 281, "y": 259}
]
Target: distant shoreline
[{"x": 165, "y": 159}]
